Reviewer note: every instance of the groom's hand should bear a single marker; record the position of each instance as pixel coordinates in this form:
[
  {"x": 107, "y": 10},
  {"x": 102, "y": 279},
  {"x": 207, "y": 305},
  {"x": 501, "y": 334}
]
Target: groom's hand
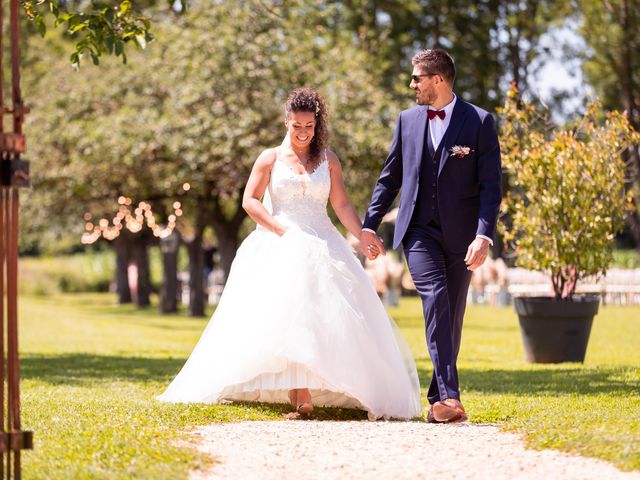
[
  {"x": 477, "y": 253},
  {"x": 371, "y": 245}
]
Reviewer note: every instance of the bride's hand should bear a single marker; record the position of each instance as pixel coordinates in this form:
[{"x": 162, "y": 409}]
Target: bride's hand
[
  {"x": 371, "y": 245},
  {"x": 280, "y": 230}
]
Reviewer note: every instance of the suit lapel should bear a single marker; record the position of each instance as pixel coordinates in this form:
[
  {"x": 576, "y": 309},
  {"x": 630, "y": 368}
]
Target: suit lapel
[
  {"x": 458, "y": 117},
  {"x": 419, "y": 127}
]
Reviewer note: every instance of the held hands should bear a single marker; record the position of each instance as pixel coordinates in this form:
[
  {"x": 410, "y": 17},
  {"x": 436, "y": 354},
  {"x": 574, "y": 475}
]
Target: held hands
[
  {"x": 371, "y": 245},
  {"x": 477, "y": 253}
]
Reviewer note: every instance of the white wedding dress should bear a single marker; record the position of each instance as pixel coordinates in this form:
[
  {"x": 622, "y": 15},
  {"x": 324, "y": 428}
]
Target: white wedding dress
[{"x": 298, "y": 311}]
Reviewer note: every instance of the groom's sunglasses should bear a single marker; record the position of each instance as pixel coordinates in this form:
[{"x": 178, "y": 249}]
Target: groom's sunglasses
[{"x": 416, "y": 78}]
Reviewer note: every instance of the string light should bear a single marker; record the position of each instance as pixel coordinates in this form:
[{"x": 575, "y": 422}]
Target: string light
[{"x": 133, "y": 221}]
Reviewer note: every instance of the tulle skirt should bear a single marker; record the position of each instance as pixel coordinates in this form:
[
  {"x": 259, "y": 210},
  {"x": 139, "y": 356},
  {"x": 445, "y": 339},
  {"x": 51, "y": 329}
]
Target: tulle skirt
[{"x": 298, "y": 311}]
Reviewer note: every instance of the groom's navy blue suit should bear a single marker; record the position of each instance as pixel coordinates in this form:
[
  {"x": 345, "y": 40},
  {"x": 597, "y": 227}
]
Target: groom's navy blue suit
[{"x": 445, "y": 201}]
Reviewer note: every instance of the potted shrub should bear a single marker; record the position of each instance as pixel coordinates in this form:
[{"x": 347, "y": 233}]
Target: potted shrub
[{"x": 565, "y": 202}]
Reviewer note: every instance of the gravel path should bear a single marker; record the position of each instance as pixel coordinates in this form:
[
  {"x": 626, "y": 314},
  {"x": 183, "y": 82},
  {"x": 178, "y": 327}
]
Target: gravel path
[{"x": 306, "y": 450}]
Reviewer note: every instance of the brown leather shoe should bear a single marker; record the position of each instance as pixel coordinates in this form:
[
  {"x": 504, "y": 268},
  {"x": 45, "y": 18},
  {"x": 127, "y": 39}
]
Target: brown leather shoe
[
  {"x": 448, "y": 411},
  {"x": 430, "y": 417}
]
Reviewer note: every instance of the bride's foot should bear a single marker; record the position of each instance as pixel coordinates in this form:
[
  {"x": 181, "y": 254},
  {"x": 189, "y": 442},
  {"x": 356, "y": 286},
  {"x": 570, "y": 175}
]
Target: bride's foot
[
  {"x": 305, "y": 405},
  {"x": 303, "y": 412},
  {"x": 301, "y": 400},
  {"x": 293, "y": 398}
]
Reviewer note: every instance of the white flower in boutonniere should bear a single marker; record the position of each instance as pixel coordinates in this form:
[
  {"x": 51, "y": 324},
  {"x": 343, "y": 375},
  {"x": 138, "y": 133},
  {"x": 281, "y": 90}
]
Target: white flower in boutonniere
[{"x": 460, "y": 151}]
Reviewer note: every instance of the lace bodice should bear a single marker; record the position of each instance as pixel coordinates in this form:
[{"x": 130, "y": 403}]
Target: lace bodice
[{"x": 300, "y": 199}]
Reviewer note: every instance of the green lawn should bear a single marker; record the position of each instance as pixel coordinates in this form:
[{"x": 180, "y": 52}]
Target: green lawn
[{"x": 91, "y": 370}]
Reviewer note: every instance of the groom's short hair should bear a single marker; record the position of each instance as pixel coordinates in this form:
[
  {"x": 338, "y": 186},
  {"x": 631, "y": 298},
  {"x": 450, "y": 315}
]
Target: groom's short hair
[{"x": 436, "y": 61}]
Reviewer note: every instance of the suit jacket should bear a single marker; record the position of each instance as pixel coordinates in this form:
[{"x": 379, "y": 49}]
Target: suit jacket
[{"x": 469, "y": 188}]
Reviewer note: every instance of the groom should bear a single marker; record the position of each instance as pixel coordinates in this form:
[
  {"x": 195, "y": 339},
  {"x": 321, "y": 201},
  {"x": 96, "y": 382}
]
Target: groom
[{"x": 445, "y": 161}]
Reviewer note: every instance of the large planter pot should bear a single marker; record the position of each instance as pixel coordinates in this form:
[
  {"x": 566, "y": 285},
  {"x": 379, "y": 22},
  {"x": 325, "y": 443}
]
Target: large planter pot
[{"x": 555, "y": 331}]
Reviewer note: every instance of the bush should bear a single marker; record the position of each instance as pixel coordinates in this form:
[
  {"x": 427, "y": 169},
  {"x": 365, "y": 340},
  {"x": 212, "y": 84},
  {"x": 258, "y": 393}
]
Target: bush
[
  {"x": 567, "y": 197},
  {"x": 86, "y": 272}
]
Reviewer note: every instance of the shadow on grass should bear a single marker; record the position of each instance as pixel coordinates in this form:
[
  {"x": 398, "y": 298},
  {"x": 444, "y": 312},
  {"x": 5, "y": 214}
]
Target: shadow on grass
[
  {"x": 85, "y": 369},
  {"x": 79, "y": 368},
  {"x": 545, "y": 381}
]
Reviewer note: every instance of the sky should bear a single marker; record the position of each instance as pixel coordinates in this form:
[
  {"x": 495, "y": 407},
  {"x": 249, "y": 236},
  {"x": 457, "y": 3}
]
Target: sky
[{"x": 556, "y": 73}]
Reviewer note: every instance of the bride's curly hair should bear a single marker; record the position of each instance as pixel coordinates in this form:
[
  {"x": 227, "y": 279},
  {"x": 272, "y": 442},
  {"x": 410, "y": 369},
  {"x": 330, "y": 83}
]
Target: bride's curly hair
[{"x": 306, "y": 99}]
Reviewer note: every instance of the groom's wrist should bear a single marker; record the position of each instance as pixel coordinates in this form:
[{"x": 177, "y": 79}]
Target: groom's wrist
[
  {"x": 368, "y": 230},
  {"x": 485, "y": 237}
]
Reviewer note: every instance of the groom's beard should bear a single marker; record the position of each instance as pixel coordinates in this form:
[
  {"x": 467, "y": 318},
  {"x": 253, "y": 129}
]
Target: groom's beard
[{"x": 426, "y": 97}]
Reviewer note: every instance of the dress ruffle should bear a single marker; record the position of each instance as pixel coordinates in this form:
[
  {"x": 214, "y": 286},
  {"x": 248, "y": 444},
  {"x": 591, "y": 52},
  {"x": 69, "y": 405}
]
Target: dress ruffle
[
  {"x": 298, "y": 311},
  {"x": 298, "y": 314}
]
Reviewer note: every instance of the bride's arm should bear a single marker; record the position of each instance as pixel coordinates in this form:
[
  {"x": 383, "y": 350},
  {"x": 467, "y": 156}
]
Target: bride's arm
[
  {"x": 339, "y": 199},
  {"x": 254, "y": 191}
]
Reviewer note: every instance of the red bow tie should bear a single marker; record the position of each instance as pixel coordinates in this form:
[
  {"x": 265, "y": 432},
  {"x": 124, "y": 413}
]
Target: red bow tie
[{"x": 436, "y": 113}]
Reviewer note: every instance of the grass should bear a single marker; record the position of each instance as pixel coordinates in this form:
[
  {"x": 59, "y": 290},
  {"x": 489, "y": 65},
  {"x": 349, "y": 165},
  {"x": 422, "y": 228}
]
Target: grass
[
  {"x": 91, "y": 370},
  {"x": 591, "y": 409}
]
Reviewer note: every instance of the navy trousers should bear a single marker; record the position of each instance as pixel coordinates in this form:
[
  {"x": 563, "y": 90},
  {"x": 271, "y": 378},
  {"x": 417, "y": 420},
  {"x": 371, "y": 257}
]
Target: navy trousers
[{"x": 442, "y": 281}]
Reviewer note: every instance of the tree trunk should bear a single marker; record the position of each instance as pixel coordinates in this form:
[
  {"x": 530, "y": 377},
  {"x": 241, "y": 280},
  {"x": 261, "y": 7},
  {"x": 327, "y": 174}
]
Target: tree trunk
[
  {"x": 169, "y": 292},
  {"x": 227, "y": 230},
  {"x": 141, "y": 260},
  {"x": 196, "y": 269},
  {"x": 122, "y": 245},
  {"x": 227, "y": 246}
]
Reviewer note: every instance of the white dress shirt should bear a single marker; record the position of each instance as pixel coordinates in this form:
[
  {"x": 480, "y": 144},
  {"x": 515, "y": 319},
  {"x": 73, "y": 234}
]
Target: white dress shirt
[{"x": 437, "y": 128}]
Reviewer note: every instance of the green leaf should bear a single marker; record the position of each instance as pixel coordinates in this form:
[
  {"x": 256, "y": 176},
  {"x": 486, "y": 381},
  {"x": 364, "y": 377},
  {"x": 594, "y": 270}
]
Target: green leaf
[
  {"x": 40, "y": 25},
  {"x": 75, "y": 61},
  {"x": 109, "y": 43},
  {"x": 141, "y": 41},
  {"x": 78, "y": 27},
  {"x": 125, "y": 7},
  {"x": 63, "y": 18}
]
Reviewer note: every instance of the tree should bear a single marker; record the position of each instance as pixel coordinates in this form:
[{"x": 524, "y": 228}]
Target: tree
[
  {"x": 567, "y": 199},
  {"x": 100, "y": 29},
  {"x": 494, "y": 42},
  {"x": 198, "y": 110},
  {"x": 612, "y": 67}
]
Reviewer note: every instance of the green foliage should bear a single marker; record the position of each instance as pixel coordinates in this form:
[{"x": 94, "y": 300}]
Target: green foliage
[
  {"x": 91, "y": 271},
  {"x": 567, "y": 196},
  {"x": 87, "y": 272},
  {"x": 611, "y": 64},
  {"x": 104, "y": 29},
  {"x": 91, "y": 371},
  {"x": 199, "y": 108},
  {"x": 624, "y": 258},
  {"x": 493, "y": 42}
]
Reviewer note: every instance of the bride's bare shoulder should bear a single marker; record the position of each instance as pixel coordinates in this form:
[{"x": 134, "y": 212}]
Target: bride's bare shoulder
[
  {"x": 332, "y": 158},
  {"x": 267, "y": 158}
]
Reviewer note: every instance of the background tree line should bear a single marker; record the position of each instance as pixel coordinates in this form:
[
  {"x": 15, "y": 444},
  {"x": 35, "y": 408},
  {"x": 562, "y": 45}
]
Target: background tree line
[{"x": 205, "y": 97}]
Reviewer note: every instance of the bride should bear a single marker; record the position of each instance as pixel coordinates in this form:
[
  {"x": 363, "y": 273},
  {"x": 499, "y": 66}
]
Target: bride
[{"x": 299, "y": 321}]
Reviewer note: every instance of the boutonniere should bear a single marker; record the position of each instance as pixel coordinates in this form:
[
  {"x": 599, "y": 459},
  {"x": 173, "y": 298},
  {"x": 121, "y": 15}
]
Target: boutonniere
[{"x": 460, "y": 151}]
